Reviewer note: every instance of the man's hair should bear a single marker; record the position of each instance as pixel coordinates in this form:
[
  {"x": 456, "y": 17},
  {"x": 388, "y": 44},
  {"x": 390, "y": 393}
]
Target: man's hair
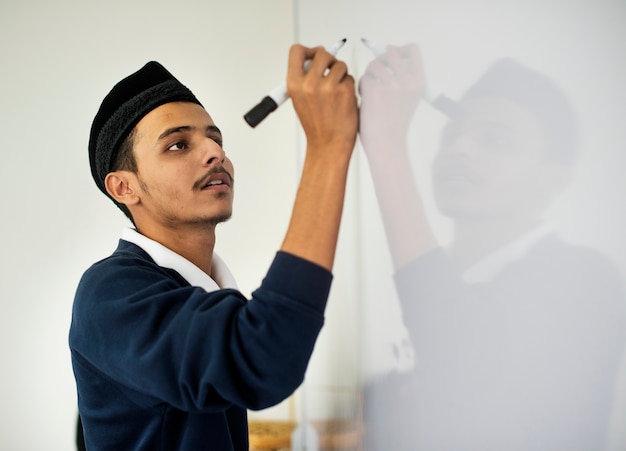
[{"x": 125, "y": 161}]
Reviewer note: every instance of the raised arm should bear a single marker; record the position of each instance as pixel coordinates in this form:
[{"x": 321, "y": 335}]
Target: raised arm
[
  {"x": 390, "y": 91},
  {"x": 325, "y": 102}
]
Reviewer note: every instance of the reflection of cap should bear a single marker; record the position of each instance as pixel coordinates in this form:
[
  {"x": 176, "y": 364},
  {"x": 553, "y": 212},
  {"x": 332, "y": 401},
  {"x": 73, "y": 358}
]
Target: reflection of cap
[
  {"x": 509, "y": 79},
  {"x": 129, "y": 101}
]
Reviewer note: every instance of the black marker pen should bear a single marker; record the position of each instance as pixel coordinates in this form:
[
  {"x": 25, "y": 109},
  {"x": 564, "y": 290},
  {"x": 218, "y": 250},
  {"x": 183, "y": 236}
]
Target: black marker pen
[{"x": 278, "y": 95}]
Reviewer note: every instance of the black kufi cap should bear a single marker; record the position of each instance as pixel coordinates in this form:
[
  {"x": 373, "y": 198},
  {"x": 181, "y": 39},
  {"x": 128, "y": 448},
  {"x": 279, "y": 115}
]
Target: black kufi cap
[
  {"x": 129, "y": 101},
  {"x": 507, "y": 78}
]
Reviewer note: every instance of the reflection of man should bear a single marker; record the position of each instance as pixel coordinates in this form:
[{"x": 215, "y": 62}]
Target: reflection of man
[{"x": 518, "y": 334}]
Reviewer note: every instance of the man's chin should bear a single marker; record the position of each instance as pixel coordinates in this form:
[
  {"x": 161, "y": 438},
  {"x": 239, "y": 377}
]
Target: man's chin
[
  {"x": 210, "y": 221},
  {"x": 221, "y": 219},
  {"x": 460, "y": 211},
  {"x": 215, "y": 220}
]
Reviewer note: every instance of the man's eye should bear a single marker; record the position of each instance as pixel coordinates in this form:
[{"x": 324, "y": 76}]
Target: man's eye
[
  {"x": 178, "y": 146},
  {"x": 492, "y": 140},
  {"x": 452, "y": 132},
  {"x": 218, "y": 140}
]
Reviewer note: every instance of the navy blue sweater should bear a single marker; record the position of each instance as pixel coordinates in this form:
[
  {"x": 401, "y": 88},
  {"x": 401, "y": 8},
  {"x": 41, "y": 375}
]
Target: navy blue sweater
[{"x": 162, "y": 365}]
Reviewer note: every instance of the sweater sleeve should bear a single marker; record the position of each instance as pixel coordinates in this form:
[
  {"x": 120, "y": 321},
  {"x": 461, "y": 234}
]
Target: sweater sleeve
[{"x": 144, "y": 329}]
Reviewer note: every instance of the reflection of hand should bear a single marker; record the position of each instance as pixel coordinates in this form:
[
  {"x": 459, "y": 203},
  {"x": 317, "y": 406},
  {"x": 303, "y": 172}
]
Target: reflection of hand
[
  {"x": 324, "y": 99},
  {"x": 390, "y": 91}
]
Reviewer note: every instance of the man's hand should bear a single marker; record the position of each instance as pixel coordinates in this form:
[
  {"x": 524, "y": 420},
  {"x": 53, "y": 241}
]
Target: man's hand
[
  {"x": 390, "y": 89},
  {"x": 324, "y": 99}
]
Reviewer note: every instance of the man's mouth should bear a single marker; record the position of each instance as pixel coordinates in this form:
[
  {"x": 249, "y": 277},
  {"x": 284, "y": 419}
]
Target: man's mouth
[
  {"x": 213, "y": 183},
  {"x": 219, "y": 178},
  {"x": 456, "y": 173}
]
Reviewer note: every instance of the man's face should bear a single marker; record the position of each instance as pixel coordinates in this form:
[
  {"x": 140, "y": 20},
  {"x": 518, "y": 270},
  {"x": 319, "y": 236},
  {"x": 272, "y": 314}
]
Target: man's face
[
  {"x": 492, "y": 163},
  {"x": 184, "y": 176}
]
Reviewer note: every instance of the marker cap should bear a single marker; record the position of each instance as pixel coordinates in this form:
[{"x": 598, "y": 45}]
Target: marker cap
[{"x": 260, "y": 111}]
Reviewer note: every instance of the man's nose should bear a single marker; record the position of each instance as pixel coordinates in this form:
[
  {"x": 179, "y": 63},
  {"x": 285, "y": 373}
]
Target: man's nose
[
  {"x": 212, "y": 152},
  {"x": 464, "y": 146}
]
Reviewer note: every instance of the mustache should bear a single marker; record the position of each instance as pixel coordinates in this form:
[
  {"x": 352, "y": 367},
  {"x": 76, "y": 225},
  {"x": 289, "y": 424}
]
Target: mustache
[{"x": 216, "y": 170}]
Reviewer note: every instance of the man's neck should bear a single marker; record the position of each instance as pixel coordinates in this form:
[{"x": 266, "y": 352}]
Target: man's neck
[
  {"x": 474, "y": 238},
  {"x": 195, "y": 243}
]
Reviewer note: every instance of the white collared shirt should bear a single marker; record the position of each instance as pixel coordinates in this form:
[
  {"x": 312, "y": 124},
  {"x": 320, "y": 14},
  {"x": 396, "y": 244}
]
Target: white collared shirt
[
  {"x": 221, "y": 277},
  {"x": 489, "y": 267}
]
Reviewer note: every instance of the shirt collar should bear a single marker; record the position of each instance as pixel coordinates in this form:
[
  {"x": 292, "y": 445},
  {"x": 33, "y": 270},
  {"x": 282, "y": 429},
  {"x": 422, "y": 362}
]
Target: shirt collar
[
  {"x": 220, "y": 278},
  {"x": 489, "y": 267}
]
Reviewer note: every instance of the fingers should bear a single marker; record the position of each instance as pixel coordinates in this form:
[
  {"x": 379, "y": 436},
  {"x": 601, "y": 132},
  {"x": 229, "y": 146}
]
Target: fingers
[
  {"x": 404, "y": 61},
  {"x": 303, "y": 60},
  {"x": 399, "y": 70},
  {"x": 413, "y": 55},
  {"x": 321, "y": 61},
  {"x": 298, "y": 56},
  {"x": 315, "y": 68},
  {"x": 317, "y": 62},
  {"x": 337, "y": 71},
  {"x": 390, "y": 90},
  {"x": 324, "y": 98}
]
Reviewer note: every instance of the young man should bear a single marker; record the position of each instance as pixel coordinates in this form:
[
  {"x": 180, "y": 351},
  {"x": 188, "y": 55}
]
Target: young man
[
  {"x": 517, "y": 334},
  {"x": 167, "y": 354}
]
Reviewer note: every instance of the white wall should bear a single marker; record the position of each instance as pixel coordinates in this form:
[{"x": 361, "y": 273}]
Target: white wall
[{"x": 59, "y": 58}]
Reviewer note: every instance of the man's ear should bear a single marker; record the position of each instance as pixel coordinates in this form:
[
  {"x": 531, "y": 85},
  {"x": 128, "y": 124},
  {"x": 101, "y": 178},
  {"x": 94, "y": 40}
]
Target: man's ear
[{"x": 120, "y": 186}]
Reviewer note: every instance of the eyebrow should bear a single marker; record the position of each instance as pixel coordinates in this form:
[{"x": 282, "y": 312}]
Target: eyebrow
[{"x": 187, "y": 128}]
